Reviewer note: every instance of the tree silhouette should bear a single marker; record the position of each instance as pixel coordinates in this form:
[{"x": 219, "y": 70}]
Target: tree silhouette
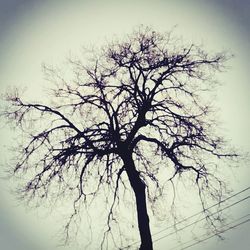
[{"x": 139, "y": 98}]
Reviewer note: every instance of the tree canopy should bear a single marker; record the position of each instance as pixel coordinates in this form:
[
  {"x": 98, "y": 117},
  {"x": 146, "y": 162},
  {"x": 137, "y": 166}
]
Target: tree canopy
[{"x": 135, "y": 115}]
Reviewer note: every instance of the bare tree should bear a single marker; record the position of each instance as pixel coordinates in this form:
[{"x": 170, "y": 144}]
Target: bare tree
[{"x": 140, "y": 97}]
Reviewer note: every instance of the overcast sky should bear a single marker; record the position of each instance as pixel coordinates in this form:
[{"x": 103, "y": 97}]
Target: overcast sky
[{"x": 33, "y": 32}]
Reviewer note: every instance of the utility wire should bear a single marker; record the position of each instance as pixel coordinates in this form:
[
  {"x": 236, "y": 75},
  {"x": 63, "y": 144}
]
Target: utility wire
[
  {"x": 223, "y": 231},
  {"x": 198, "y": 213},
  {"x": 190, "y": 224},
  {"x": 220, "y": 231}
]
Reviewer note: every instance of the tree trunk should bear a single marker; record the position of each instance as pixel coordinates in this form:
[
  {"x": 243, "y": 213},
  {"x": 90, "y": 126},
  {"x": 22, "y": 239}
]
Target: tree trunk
[{"x": 139, "y": 187}]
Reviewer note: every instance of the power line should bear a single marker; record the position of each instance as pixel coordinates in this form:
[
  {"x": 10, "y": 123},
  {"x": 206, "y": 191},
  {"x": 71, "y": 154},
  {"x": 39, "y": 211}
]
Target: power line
[
  {"x": 180, "y": 229},
  {"x": 200, "y": 241},
  {"x": 198, "y": 213},
  {"x": 221, "y": 231}
]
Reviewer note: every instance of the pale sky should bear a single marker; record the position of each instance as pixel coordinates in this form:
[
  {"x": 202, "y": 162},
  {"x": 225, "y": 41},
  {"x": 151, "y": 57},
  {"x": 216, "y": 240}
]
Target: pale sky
[{"x": 32, "y": 33}]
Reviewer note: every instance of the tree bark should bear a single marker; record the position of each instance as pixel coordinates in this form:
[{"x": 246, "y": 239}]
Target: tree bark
[{"x": 139, "y": 187}]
